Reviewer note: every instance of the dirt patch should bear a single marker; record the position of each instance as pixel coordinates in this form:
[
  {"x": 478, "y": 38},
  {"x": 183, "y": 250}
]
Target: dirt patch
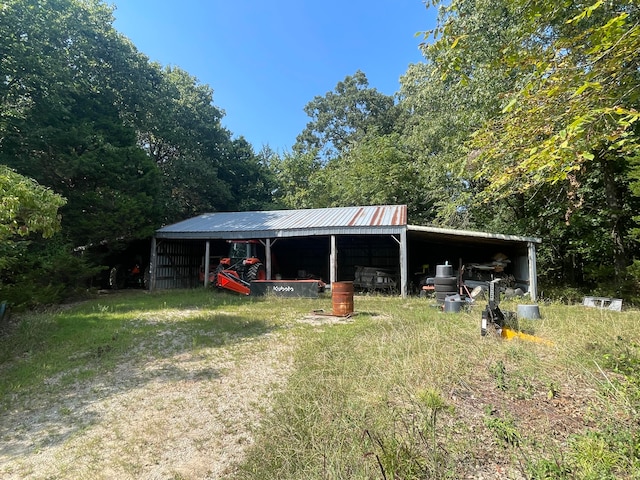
[
  {"x": 543, "y": 421},
  {"x": 184, "y": 415},
  {"x": 321, "y": 319}
]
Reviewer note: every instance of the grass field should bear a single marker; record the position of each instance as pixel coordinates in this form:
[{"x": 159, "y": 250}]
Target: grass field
[{"x": 200, "y": 384}]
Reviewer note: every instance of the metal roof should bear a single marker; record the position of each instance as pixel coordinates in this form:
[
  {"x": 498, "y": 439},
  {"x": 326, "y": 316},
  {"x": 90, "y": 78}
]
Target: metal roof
[
  {"x": 449, "y": 234},
  {"x": 373, "y": 220},
  {"x": 377, "y": 219}
]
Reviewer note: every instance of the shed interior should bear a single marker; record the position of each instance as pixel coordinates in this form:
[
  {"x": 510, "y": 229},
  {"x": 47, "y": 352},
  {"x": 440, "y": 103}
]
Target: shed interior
[
  {"x": 476, "y": 255},
  {"x": 180, "y": 261}
]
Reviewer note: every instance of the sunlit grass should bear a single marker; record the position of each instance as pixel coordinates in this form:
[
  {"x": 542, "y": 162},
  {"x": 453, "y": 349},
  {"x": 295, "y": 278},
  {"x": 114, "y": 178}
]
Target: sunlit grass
[
  {"x": 73, "y": 343},
  {"x": 400, "y": 390},
  {"x": 407, "y": 391}
]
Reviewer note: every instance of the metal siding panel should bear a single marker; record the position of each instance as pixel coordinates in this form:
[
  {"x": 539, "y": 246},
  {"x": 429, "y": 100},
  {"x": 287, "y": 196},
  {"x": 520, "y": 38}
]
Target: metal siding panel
[{"x": 177, "y": 265}]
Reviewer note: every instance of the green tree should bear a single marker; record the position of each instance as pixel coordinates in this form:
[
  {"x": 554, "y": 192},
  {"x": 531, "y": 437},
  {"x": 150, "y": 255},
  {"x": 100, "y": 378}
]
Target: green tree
[
  {"x": 247, "y": 176},
  {"x": 27, "y": 210},
  {"x": 438, "y": 115},
  {"x": 378, "y": 170},
  {"x": 203, "y": 168},
  {"x": 67, "y": 103},
  {"x": 182, "y": 133},
  {"x": 341, "y": 117},
  {"x": 128, "y": 143},
  {"x": 298, "y": 181},
  {"x": 26, "y": 207},
  {"x": 331, "y": 153},
  {"x": 567, "y": 118},
  {"x": 581, "y": 110}
]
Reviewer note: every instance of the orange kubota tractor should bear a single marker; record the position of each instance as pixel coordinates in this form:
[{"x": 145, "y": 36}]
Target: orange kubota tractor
[{"x": 239, "y": 269}]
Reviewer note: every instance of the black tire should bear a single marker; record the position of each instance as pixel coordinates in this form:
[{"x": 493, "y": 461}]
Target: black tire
[
  {"x": 444, "y": 270},
  {"x": 256, "y": 272},
  {"x": 445, "y": 281}
]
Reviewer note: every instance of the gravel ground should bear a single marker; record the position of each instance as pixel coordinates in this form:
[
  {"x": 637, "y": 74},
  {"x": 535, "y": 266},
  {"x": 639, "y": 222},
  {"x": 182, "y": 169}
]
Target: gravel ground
[{"x": 187, "y": 415}]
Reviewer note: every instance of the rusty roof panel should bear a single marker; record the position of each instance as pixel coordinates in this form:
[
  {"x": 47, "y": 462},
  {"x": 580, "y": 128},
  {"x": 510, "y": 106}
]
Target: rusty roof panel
[{"x": 277, "y": 223}]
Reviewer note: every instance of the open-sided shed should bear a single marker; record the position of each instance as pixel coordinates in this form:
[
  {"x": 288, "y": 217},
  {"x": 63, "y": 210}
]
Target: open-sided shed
[{"x": 331, "y": 243}]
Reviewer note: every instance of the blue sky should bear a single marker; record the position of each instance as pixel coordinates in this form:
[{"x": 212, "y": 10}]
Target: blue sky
[{"x": 266, "y": 60}]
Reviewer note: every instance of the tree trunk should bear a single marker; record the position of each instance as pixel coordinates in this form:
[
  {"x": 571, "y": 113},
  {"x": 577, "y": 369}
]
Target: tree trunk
[{"x": 613, "y": 209}]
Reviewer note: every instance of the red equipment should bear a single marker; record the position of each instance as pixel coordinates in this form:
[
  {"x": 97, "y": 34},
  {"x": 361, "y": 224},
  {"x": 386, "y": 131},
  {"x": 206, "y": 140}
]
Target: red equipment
[{"x": 239, "y": 269}]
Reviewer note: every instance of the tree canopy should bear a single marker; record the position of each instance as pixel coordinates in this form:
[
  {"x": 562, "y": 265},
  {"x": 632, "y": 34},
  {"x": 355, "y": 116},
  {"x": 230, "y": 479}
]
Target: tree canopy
[
  {"x": 565, "y": 132},
  {"x": 344, "y": 115},
  {"x": 129, "y": 144},
  {"x": 523, "y": 118},
  {"x": 26, "y": 207}
]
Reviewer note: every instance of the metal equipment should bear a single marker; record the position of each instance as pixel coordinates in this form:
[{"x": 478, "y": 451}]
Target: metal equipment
[
  {"x": 239, "y": 269},
  {"x": 492, "y": 315},
  {"x": 372, "y": 279}
]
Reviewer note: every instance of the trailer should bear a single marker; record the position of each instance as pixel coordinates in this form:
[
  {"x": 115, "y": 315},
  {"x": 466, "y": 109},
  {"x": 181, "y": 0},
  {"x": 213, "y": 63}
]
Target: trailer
[{"x": 374, "y": 279}]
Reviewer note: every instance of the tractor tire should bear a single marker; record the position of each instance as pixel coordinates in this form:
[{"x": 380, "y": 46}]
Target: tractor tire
[
  {"x": 444, "y": 271},
  {"x": 256, "y": 272}
]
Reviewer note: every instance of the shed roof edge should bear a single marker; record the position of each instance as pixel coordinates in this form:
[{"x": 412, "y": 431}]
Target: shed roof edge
[{"x": 472, "y": 233}]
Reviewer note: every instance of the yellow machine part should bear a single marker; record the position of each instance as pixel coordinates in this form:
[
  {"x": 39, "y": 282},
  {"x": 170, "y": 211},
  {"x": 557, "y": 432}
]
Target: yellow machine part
[{"x": 510, "y": 334}]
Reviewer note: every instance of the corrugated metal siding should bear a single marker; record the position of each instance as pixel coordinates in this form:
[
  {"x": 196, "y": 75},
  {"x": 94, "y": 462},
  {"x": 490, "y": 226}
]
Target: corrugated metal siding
[
  {"x": 177, "y": 265},
  {"x": 322, "y": 221}
]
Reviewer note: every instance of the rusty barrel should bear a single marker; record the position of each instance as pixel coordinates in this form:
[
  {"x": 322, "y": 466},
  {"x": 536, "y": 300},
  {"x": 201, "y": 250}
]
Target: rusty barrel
[{"x": 342, "y": 298}]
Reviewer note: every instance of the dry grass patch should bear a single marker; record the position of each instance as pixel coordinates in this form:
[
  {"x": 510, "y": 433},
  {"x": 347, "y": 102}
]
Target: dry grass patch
[
  {"x": 171, "y": 393},
  {"x": 407, "y": 392},
  {"x": 200, "y": 385}
]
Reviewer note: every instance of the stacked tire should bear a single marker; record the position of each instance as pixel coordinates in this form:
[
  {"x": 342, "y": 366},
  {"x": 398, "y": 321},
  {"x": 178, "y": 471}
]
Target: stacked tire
[{"x": 445, "y": 282}]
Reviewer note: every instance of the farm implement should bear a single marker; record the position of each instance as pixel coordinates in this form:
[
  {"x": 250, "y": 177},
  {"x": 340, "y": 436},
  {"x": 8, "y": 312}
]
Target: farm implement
[{"x": 239, "y": 269}]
